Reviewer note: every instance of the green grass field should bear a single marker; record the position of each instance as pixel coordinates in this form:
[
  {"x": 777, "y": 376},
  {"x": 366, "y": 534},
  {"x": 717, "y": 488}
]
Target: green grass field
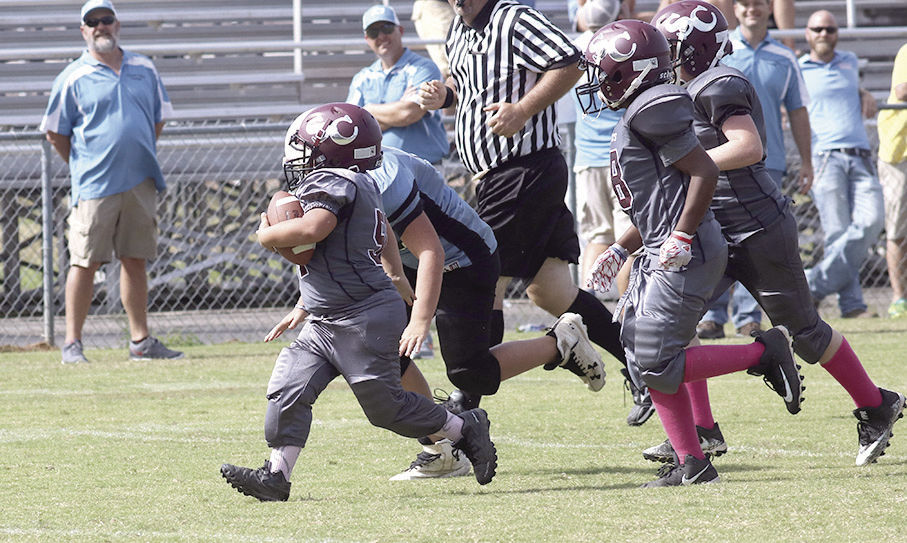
[{"x": 129, "y": 451}]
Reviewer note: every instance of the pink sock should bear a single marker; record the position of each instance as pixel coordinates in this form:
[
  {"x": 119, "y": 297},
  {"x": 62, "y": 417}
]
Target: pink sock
[
  {"x": 846, "y": 368},
  {"x": 707, "y": 361},
  {"x": 699, "y": 401},
  {"x": 677, "y": 419}
]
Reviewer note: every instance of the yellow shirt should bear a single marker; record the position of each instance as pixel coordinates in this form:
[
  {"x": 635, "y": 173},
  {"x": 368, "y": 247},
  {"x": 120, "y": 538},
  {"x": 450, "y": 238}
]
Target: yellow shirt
[{"x": 893, "y": 122}]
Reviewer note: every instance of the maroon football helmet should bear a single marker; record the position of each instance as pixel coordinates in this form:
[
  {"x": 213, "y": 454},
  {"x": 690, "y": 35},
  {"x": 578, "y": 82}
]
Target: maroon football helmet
[
  {"x": 337, "y": 135},
  {"x": 697, "y": 32},
  {"x": 623, "y": 59}
]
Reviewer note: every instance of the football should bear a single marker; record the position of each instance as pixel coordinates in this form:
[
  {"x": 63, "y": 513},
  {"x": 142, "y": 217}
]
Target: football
[{"x": 283, "y": 207}]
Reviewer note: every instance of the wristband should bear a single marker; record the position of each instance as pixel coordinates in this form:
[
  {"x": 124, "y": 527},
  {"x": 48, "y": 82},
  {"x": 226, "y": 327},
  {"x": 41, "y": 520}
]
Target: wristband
[
  {"x": 448, "y": 98},
  {"x": 619, "y": 249},
  {"x": 682, "y": 236},
  {"x": 297, "y": 306}
]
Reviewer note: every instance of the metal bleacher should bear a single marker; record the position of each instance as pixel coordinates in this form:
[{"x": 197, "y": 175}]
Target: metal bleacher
[{"x": 231, "y": 58}]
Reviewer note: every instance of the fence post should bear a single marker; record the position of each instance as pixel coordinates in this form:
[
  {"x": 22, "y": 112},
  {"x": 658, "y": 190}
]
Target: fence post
[{"x": 47, "y": 241}]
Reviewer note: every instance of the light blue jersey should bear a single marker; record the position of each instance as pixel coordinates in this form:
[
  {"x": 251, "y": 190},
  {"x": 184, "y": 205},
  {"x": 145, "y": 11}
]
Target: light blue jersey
[
  {"x": 110, "y": 118},
  {"x": 426, "y": 137},
  {"x": 593, "y": 132},
  {"x": 409, "y": 186},
  {"x": 773, "y": 70},
  {"x": 835, "y": 111}
]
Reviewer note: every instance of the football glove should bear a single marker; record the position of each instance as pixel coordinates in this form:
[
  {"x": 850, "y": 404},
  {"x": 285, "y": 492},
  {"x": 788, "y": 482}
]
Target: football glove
[
  {"x": 676, "y": 251},
  {"x": 606, "y": 266}
]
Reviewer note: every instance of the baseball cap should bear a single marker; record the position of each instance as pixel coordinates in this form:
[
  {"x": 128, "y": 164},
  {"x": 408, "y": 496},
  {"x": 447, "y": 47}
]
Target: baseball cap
[
  {"x": 598, "y": 13},
  {"x": 91, "y": 5},
  {"x": 379, "y": 13}
]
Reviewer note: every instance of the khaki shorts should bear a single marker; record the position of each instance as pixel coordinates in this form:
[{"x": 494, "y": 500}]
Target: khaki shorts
[
  {"x": 123, "y": 223},
  {"x": 601, "y": 220},
  {"x": 894, "y": 187},
  {"x": 432, "y": 19}
]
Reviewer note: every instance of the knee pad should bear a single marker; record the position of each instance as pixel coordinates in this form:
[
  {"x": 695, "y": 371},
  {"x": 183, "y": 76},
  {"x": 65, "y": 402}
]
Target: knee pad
[
  {"x": 810, "y": 343},
  {"x": 478, "y": 375}
]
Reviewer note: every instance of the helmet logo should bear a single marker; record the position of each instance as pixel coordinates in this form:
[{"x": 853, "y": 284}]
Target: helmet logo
[
  {"x": 683, "y": 25},
  {"x": 319, "y": 131},
  {"x": 616, "y": 54}
]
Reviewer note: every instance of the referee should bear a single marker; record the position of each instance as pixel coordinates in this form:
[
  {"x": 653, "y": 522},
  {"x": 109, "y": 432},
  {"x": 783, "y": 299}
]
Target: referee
[{"x": 508, "y": 66}]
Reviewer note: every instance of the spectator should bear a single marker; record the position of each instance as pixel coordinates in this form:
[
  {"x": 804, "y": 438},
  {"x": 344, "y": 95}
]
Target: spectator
[
  {"x": 506, "y": 132},
  {"x": 387, "y": 89},
  {"x": 893, "y": 175},
  {"x": 773, "y": 70},
  {"x": 432, "y": 19},
  {"x": 846, "y": 190},
  {"x": 105, "y": 113}
]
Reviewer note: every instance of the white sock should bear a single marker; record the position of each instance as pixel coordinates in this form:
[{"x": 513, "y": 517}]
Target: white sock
[
  {"x": 452, "y": 429},
  {"x": 283, "y": 459}
]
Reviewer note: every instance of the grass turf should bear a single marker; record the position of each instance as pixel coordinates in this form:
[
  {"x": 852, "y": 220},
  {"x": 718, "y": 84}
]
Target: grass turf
[{"x": 117, "y": 450}]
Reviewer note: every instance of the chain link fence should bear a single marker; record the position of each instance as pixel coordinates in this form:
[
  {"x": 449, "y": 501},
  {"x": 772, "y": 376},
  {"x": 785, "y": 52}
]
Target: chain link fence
[{"x": 211, "y": 282}]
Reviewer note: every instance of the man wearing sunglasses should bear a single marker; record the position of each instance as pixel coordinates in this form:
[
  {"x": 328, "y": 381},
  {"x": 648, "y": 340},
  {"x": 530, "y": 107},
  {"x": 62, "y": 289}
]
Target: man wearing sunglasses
[
  {"x": 105, "y": 112},
  {"x": 387, "y": 89},
  {"x": 846, "y": 189}
]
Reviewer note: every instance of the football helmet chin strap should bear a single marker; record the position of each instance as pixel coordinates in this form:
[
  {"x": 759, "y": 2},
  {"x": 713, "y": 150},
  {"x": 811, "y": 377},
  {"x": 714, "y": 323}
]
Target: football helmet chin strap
[
  {"x": 722, "y": 38},
  {"x": 645, "y": 65}
]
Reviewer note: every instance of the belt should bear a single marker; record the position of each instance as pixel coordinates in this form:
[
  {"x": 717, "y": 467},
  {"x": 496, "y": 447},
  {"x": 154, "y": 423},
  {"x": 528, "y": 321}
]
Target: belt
[{"x": 852, "y": 151}]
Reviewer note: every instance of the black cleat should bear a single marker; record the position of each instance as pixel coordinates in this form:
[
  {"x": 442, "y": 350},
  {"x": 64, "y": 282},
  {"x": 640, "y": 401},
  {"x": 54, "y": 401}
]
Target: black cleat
[
  {"x": 259, "y": 483},
  {"x": 710, "y": 440},
  {"x": 875, "y": 424},
  {"x": 642, "y": 401},
  {"x": 476, "y": 443},
  {"x": 778, "y": 369},
  {"x": 693, "y": 472}
]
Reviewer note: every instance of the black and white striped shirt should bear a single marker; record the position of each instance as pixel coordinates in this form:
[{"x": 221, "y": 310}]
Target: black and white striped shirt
[{"x": 499, "y": 60}]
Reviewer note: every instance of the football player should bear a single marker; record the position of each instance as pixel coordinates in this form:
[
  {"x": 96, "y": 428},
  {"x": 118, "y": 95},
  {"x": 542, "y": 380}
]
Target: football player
[
  {"x": 757, "y": 221},
  {"x": 665, "y": 180},
  {"x": 354, "y": 314},
  {"x": 443, "y": 238}
]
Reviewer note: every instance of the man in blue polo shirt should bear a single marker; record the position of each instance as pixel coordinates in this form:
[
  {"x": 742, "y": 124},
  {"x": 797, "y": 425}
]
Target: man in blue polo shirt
[
  {"x": 772, "y": 69},
  {"x": 105, "y": 113},
  {"x": 846, "y": 190},
  {"x": 386, "y": 89}
]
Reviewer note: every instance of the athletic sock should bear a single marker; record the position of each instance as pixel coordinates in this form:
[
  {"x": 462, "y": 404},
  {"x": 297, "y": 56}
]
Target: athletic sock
[
  {"x": 452, "y": 429},
  {"x": 283, "y": 459},
  {"x": 707, "y": 361},
  {"x": 597, "y": 318},
  {"x": 496, "y": 327},
  {"x": 699, "y": 402},
  {"x": 847, "y": 370},
  {"x": 676, "y": 416}
]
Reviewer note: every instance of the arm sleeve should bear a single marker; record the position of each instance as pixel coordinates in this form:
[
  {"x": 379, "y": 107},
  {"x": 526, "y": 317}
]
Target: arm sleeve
[
  {"x": 724, "y": 98},
  {"x": 540, "y": 46},
  {"x": 326, "y": 190},
  {"x": 354, "y": 96},
  {"x": 796, "y": 95},
  {"x": 667, "y": 124},
  {"x": 60, "y": 114}
]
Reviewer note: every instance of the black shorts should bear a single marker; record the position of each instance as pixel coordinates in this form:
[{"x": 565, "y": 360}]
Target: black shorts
[{"x": 523, "y": 203}]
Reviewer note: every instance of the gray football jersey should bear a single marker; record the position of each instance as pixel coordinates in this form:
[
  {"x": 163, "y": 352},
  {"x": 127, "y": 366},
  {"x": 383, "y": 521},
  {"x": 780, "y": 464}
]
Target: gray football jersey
[
  {"x": 656, "y": 131},
  {"x": 746, "y": 199},
  {"x": 345, "y": 268}
]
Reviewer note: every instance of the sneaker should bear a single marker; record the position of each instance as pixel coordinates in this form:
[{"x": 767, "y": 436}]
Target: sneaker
[
  {"x": 750, "y": 329},
  {"x": 709, "y": 330},
  {"x": 436, "y": 461},
  {"x": 151, "y": 348},
  {"x": 72, "y": 353},
  {"x": 476, "y": 443},
  {"x": 898, "y": 309},
  {"x": 259, "y": 483},
  {"x": 577, "y": 353},
  {"x": 777, "y": 367},
  {"x": 711, "y": 441},
  {"x": 693, "y": 472},
  {"x": 426, "y": 350},
  {"x": 859, "y": 313},
  {"x": 642, "y": 401},
  {"x": 874, "y": 426}
]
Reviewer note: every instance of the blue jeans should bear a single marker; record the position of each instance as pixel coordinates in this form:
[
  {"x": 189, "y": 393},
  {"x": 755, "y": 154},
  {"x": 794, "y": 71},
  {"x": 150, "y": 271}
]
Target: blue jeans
[
  {"x": 744, "y": 308},
  {"x": 848, "y": 195}
]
